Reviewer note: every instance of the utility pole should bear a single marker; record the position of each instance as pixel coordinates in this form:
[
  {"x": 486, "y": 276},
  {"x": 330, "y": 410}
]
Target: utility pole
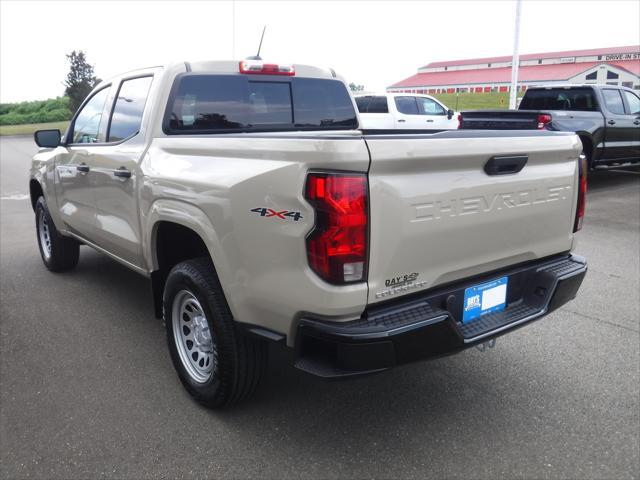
[{"x": 515, "y": 62}]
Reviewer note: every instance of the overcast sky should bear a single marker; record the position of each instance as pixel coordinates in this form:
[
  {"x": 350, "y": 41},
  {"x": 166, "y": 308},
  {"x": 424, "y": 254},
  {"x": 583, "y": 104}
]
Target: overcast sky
[{"x": 370, "y": 43}]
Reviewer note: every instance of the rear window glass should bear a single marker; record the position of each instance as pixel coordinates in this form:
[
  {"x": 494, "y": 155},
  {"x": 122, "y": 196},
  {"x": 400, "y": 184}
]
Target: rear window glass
[
  {"x": 226, "y": 103},
  {"x": 377, "y": 104},
  {"x": 577, "y": 99}
]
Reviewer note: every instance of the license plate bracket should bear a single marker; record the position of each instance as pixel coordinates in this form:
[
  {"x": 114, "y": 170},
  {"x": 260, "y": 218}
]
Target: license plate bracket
[{"x": 484, "y": 298}]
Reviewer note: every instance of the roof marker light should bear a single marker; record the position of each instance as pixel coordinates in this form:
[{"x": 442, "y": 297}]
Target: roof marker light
[{"x": 260, "y": 68}]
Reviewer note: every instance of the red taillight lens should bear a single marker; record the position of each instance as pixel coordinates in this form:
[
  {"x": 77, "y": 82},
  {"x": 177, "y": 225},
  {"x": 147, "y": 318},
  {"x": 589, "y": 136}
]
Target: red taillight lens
[
  {"x": 543, "y": 119},
  {"x": 337, "y": 246},
  {"x": 257, "y": 67},
  {"x": 459, "y": 121},
  {"x": 582, "y": 193}
]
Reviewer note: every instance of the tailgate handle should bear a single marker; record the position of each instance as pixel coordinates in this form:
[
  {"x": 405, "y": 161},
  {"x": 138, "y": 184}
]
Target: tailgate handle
[{"x": 505, "y": 165}]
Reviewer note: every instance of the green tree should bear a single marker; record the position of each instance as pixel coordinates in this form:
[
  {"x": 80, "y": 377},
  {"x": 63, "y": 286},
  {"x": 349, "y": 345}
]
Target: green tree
[
  {"x": 80, "y": 79},
  {"x": 356, "y": 88}
]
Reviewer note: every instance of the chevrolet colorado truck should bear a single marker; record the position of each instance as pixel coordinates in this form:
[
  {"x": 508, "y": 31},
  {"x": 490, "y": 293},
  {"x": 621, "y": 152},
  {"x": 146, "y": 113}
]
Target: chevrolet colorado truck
[
  {"x": 260, "y": 212},
  {"x": 606, "y": 118}
]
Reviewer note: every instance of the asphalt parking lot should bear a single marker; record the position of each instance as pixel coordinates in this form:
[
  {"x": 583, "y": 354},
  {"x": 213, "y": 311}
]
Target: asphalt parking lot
[{"x": 87, "y": 388}]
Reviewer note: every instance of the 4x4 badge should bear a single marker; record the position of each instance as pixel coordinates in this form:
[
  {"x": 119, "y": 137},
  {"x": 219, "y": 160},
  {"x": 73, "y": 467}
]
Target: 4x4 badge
[{"x": 283, "y": 214}]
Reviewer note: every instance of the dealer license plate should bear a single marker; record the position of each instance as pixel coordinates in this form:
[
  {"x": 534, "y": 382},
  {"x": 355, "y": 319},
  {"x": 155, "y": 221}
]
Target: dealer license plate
[{"x": 484, "y": 298}]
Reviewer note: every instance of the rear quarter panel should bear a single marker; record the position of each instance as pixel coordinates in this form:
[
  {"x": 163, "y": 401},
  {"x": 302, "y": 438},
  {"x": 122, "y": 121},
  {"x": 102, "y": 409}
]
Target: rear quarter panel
[{"x": 212, "y": 184}]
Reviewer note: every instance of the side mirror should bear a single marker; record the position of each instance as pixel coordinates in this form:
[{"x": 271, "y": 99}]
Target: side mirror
[
  {"x": 47, "y": 138},
  {"x": 450, "y": 114}
]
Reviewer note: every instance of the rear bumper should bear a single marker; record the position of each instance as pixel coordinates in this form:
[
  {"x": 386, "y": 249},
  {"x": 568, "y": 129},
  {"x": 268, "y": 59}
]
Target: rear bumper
[{"x": 427, "y": 325}]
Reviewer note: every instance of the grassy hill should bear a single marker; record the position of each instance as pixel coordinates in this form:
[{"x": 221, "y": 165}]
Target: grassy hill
[
  {"x": 39, "y": 111},
  {"x": 474, "y": 101}
]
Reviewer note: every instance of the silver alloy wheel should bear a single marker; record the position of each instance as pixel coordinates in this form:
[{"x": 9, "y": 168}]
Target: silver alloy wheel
[
  {"x": 194, "y": 340},
  {"x": 44, "y": 234}
]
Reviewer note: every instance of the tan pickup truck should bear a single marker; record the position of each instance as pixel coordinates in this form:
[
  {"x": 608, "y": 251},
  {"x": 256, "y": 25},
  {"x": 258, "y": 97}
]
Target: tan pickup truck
[{"x": 261, "y": 213}]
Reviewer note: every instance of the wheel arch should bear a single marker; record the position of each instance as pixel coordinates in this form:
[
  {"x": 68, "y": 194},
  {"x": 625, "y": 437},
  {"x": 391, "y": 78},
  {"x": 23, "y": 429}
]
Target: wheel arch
[
  {"x": 189, "y": 233},
  {"x": 35, "y": 192},
  {"x": 587, "y": 147}
]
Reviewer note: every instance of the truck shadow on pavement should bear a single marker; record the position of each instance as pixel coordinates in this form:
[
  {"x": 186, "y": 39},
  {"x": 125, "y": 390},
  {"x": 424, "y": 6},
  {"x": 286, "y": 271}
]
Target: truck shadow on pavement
[{"x": 607, "y": 179}]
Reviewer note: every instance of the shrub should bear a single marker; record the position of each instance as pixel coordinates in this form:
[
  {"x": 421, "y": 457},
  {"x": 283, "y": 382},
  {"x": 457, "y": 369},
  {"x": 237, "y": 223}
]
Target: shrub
[{"x": 39, "y": 111}]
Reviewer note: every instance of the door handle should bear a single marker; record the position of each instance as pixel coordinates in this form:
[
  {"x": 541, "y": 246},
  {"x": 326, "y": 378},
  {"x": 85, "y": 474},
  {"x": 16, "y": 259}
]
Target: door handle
[
  {"x": 429, "y": 121},
  {"x": 122, "y": 172},
  {"x": 82, "y": 168},
  {"x": 505, "y": 165},
  {"x": 611, "y": 122},
  {"x": 401, "y": 120}
]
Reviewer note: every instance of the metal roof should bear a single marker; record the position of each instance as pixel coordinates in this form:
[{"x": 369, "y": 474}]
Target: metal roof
[
  {"x": 533, "y": 73},
  {"x": 537, "y": 56}
]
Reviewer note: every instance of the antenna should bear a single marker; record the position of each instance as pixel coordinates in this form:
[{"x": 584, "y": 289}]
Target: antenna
[
  {"x": 257, "y": 56},
  {"x": 261, "y": 38}
]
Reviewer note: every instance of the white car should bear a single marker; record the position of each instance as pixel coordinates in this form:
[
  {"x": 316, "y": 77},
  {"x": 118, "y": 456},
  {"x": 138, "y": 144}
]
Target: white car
[{"x": 388, "y": 111}]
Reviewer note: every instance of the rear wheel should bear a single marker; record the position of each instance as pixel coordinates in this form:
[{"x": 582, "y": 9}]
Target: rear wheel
[
  {"x": 217, "y": 364},
  {"x": 58, "y": 253}
]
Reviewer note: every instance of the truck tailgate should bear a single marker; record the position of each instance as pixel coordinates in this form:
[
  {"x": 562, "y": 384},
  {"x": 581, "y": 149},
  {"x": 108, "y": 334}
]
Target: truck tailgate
[
  {"x": 437, "y": 217},
  {"x": 499, "y": 120}
]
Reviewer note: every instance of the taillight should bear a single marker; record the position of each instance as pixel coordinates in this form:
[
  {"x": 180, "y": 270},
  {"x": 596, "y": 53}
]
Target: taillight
[
  {"x": 543, "y": 119},
  {"x": 582, "y": 193},
  {"x": 337, "y": 246},
  {"x": 257, "y": 67},
  {"x": 459, "y": 121}
]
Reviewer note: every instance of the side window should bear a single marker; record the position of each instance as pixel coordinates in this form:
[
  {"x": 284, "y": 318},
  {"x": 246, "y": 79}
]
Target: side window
[
  {"x": 372, "y": 104},
  {"x": 86, "y": 127},
  {"x": 429, "y": 107},
  {"x": 363, "y": 104},
  {"x": 127, "y": 112},
  {"x": 378, "y": 105},
  {"x": 407, "y": 105},
  {"x": 613, "y": 100},
  {"x": 633, "y": 101}
]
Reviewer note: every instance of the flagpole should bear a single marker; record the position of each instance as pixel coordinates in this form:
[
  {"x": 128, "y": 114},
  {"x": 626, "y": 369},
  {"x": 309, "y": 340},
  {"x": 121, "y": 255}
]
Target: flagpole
[
  {"x": 515, "y": 62},
  {"x": 233, "y": 29}
]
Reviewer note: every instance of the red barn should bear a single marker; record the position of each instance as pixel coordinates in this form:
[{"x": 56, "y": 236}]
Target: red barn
[{"x": 611, "y": 66}]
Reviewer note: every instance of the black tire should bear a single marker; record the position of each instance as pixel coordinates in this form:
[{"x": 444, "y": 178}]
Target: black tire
[
  {"x": 62, "y": 253},
  {"x": 240, "y": 360}
]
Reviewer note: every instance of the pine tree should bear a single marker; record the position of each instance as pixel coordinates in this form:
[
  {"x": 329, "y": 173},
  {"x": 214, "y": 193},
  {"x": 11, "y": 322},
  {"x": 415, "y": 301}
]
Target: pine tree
[{"x": 80, "y": 79}]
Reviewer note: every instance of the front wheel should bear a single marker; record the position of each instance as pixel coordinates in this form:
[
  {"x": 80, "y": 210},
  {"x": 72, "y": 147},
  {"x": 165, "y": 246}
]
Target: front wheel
[
  {"x": 217, "y": 364},
  {"x": 58, "y": 253}
]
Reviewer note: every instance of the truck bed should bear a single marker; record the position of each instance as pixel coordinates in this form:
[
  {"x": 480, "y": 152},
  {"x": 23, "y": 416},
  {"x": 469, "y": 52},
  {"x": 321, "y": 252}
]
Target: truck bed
[{"x": 500, "y": 119}]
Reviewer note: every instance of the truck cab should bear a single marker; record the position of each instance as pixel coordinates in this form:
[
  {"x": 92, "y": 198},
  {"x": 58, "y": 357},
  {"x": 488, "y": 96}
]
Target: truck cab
[{"x": 403, "y": 111}]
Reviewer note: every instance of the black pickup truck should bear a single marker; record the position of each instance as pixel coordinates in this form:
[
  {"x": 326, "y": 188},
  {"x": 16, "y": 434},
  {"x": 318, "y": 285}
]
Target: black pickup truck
[{"x": 606, "y": 118}]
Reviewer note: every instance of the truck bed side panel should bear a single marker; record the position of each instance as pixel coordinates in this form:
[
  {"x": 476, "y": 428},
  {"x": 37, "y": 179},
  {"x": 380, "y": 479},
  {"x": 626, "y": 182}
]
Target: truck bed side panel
[{"x": 261, "y": 259}]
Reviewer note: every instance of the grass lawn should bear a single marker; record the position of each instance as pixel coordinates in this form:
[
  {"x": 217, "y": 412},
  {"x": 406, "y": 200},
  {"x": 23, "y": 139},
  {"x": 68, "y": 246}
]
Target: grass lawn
[
  {"x": 474, "y": 101},
  {"x": 29, "y": 128}
]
